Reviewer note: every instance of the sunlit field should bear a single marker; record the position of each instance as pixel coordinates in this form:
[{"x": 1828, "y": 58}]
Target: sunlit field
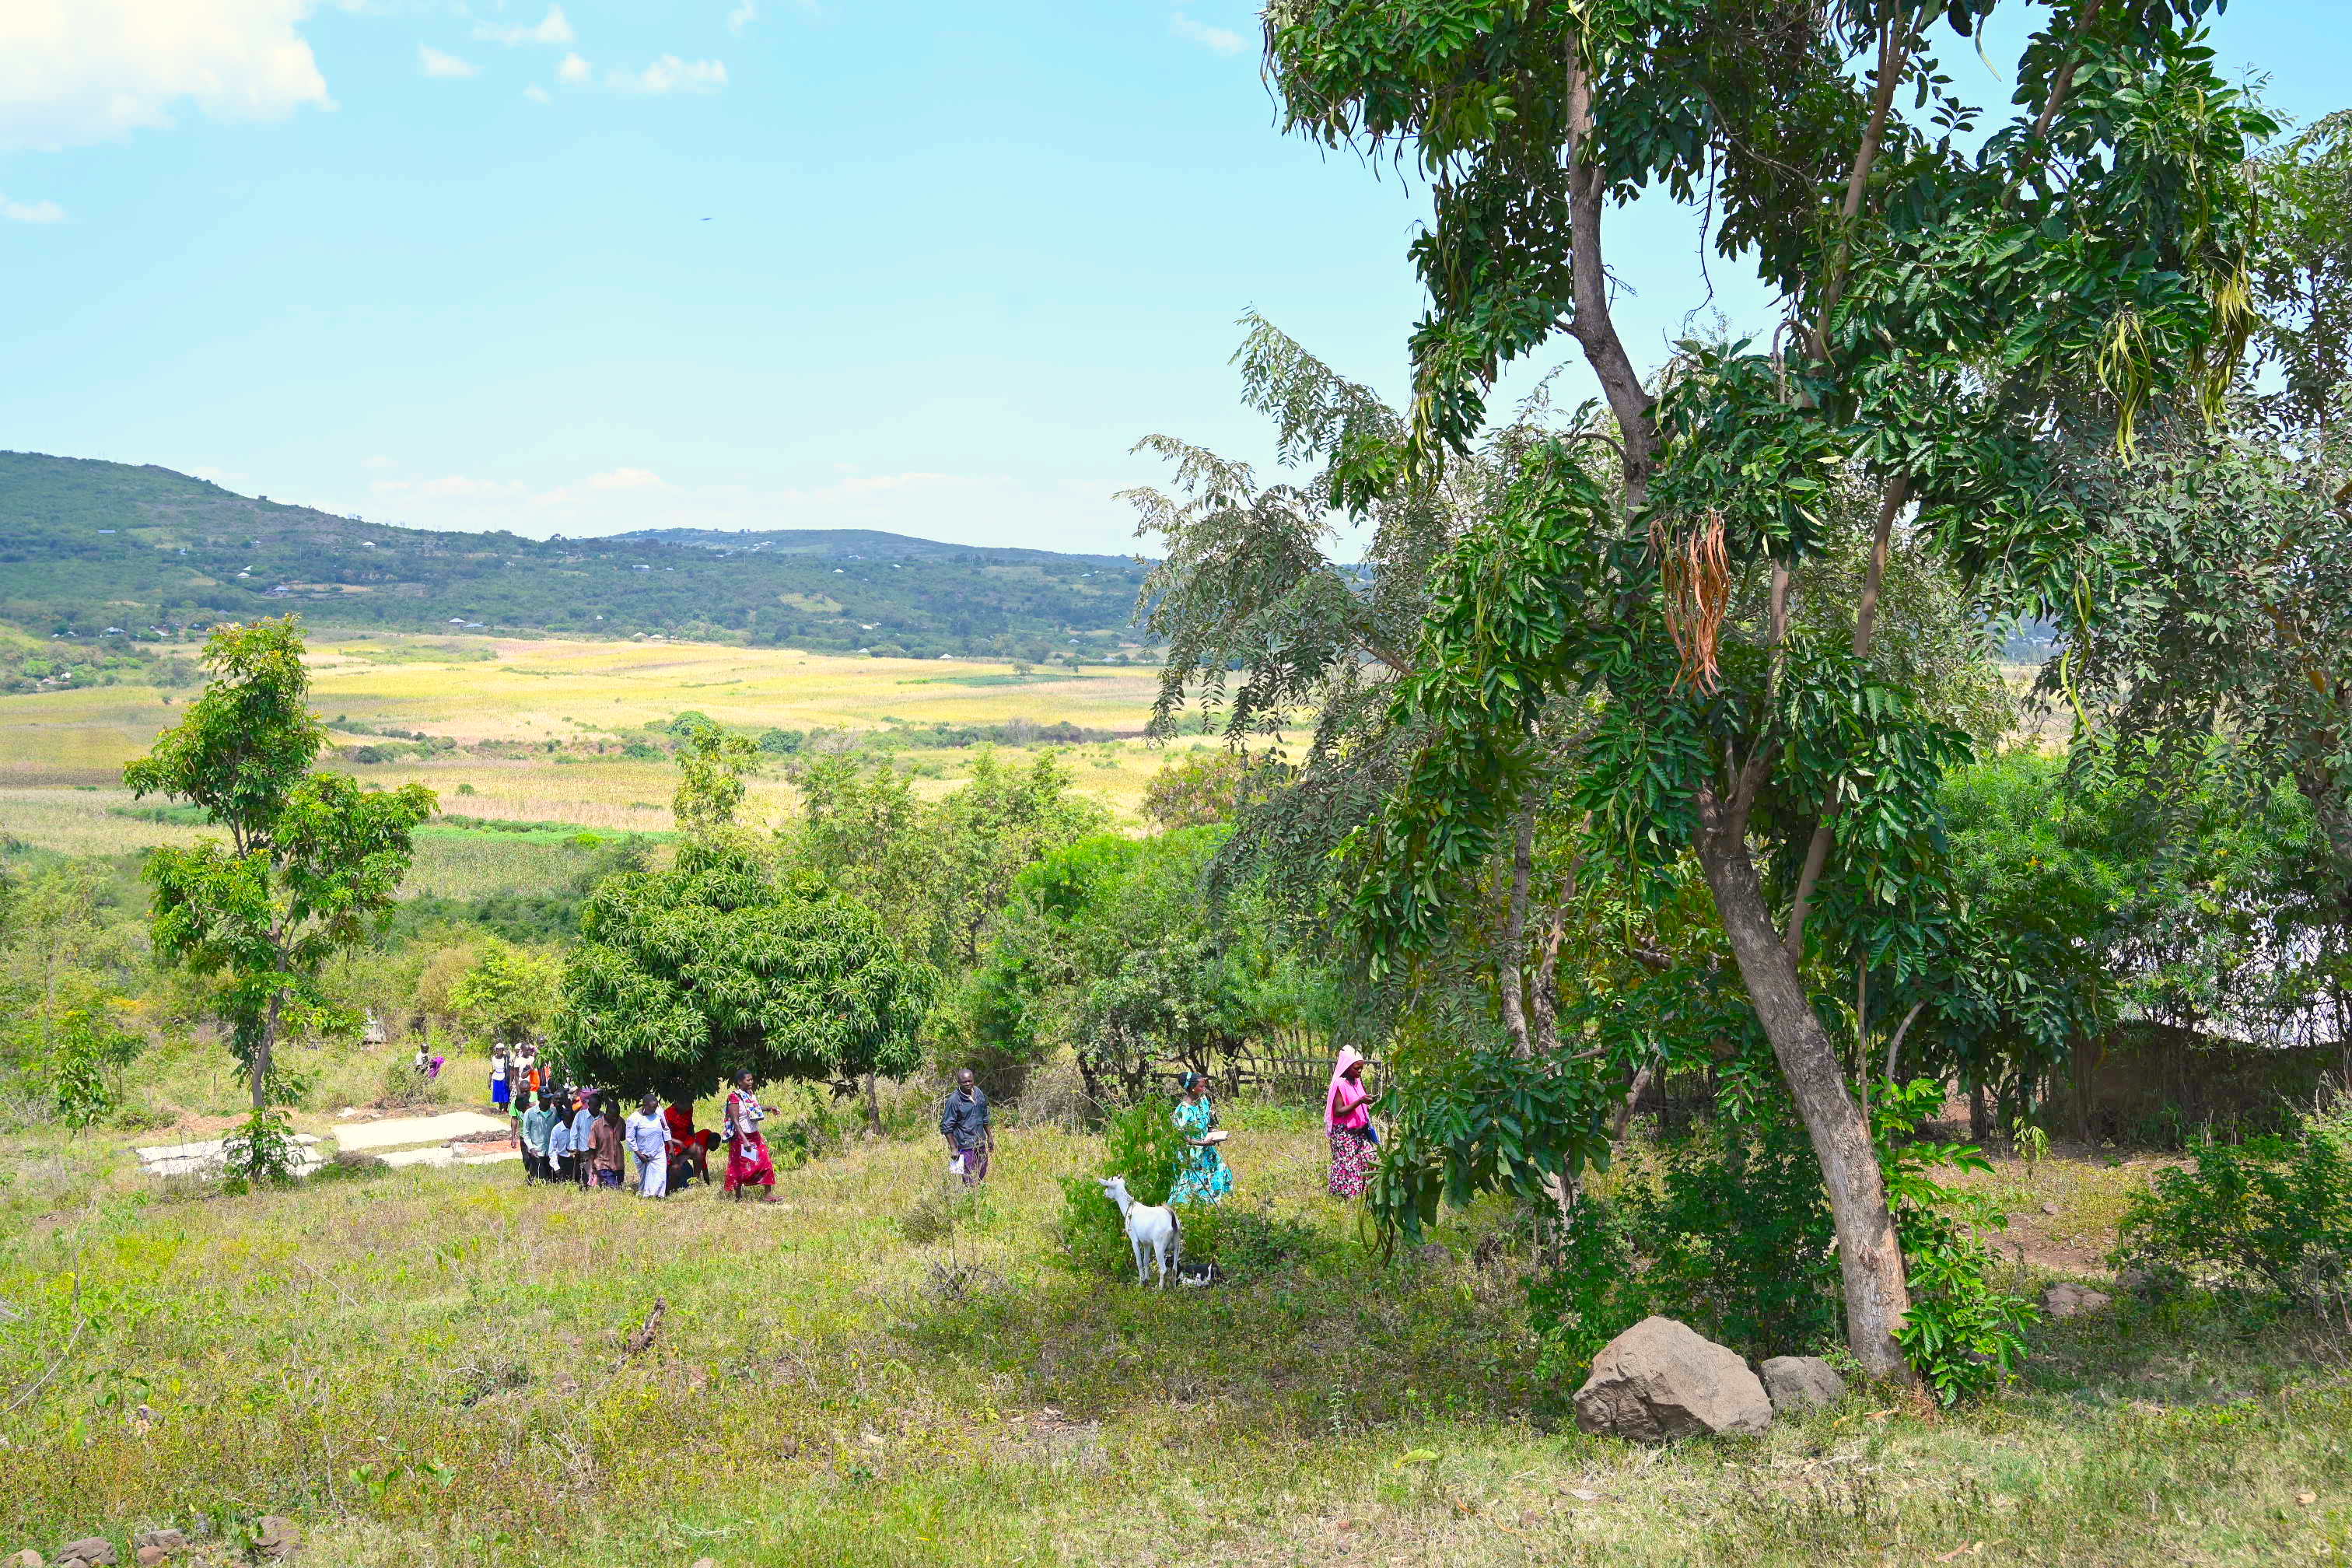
[{"x": 61, "y": 754}]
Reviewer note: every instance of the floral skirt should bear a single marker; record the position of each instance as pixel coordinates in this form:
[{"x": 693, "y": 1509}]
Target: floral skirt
[
  {"x": 1201, "y": 1178},
  {"x": 1351, "y": 1162}
]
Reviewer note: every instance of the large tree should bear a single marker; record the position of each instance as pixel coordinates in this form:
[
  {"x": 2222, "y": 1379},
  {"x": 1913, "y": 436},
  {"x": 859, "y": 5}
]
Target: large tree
[
  {"x": 1951, "y": 299},
  {"x": 312, "y": 859}
]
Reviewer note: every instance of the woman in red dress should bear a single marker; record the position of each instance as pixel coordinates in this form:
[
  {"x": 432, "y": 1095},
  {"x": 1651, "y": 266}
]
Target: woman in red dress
[{"x": 748, "y": 1164}]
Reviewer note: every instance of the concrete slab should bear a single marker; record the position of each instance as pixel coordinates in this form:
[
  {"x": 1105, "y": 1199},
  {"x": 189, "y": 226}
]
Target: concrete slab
[
  {"x": 409, "y": 1130},
  {"x": 163, "y": 1154},
  {"x": 398, "y": 1158}
]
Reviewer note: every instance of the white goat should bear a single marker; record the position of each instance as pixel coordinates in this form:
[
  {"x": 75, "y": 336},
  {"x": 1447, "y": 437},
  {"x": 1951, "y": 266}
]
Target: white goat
[{"x": 1157, "y": 1229}]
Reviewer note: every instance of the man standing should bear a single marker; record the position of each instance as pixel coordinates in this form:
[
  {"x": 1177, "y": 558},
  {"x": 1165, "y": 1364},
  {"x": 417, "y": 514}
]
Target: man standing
[
  {"x": 537, "y": 1121},
  {"x": 963, "y": 1122},
  {"x": 583, "y": 1124},
  {"x": 648, "y": 1139},
  {"x": 606, "y": 1142},
  {"x": 559, "y": 1135}
]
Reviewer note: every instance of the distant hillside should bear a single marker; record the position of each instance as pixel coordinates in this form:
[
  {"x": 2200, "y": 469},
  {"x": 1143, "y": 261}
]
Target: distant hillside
[{"x": 86, "y": 546}]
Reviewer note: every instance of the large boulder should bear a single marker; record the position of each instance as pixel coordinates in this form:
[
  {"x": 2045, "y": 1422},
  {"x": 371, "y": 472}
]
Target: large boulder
[
  {"x": 1796, "y": 1382},
  {"x": 2068, "y": 1300},
  {"x": 1660, "y": 1380}
]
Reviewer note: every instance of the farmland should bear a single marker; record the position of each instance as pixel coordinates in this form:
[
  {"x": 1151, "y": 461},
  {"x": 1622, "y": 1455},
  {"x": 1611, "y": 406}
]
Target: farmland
[{"x": 548, "y": 707}]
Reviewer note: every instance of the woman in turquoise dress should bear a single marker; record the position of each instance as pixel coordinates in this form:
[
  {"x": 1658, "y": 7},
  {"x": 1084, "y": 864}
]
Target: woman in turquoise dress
[{"x": 1202, "y": 1174}]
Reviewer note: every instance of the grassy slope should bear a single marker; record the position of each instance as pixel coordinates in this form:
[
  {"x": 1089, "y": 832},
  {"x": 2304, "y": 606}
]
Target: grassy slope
[
  {"x": 61, "y": 754},
  {"x": 813, "y": 1399}
]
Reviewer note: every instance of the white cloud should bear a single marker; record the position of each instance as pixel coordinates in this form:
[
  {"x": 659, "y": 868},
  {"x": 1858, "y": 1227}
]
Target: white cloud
[
  {"x": 378, "y": 461},
  {"x": 1224, "y": 40},
  {"x": 452, "y": 487},
  {"x": 744, "y": 15},
  {"x": 670, "y": 74},
  {"x": 556, "y": 28},
  {"x": 538, "y": 94},
  {"x": 76, "y": 71},
  {"x": 573, "y": 69},
  {"x": 31, "y": 212},
  {"x": 448, "y": 68},
  {"x": 625, "y": 479}
]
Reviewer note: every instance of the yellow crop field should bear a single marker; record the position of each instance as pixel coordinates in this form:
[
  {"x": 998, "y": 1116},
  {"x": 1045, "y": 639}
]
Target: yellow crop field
[{"x": 61, "y": 752}]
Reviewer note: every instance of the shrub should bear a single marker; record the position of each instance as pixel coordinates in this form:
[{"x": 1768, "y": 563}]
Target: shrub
[
  {"x": 401, "y": 1087},
  {"x": 1733, "y": 1237},
  {"x": 1241, "y": 1237},
  {"x": 2271, "y": 1215},
  {"x": 1140, "y": 1143}
]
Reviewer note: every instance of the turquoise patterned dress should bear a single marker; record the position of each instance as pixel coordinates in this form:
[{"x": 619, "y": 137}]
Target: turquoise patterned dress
[{"x": 1202, "y": 1174}]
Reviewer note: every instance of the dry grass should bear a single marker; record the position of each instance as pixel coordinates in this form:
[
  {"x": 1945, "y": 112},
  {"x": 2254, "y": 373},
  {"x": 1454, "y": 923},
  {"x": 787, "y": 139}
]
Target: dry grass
[
  {"x": 61, "y": 754},
  {"x": 426, "y": 1368}
]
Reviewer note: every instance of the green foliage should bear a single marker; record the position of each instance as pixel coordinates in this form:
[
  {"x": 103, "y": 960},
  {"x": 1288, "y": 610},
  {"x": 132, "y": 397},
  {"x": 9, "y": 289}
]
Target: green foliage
[
  {"x": 2272, "y": 1214},
  {"x": 2302, "y": 274},
  {"x": 1202, "y": 788},
  {"x": 313, "y": 860},
  {"x": 723, "y": 964},
  {"x": 261, "y": 1150},
  {"x": 83, "y": 1072},
  {"x": 509, "y": 994},
  {"x": 1140, "y": 1143},
  {"x": 1725, "y": 1230},
  {"x": 712, "y": 764},
  {"x": 1964, "y": 1335}
]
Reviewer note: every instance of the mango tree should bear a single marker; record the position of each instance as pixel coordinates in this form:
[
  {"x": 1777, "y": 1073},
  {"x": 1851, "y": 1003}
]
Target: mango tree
[{"x": 1953, "y": 295}]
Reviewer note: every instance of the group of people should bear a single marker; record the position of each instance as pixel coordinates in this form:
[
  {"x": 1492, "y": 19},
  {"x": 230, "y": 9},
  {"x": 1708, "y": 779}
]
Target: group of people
[{"x": 579, "y": 1135}]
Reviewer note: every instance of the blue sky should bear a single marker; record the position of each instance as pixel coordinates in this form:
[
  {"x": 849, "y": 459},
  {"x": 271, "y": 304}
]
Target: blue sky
[{"x": 927, "y": 267}]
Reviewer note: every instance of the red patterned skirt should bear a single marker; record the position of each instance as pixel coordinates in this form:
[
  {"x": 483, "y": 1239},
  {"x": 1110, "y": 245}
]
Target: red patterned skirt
[
  {"x": 748, "y": 1164},
  {"x": 1352, "y": 1162}
]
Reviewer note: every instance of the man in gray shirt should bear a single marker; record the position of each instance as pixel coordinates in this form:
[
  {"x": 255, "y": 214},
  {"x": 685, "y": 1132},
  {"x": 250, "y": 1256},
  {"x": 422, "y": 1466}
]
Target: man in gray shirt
[{"x": 963, "y": 1122}]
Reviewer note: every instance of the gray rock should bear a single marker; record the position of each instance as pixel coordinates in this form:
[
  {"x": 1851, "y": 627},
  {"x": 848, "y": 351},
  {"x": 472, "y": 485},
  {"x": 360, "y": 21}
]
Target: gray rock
[
  {"x": 151, "y": 1557},
  {"x": 2068, "y": 1300},
  {"x": 277, "y": 1536},
  {"x": 95, "y": 1550},
  {"x": 1660, "y": 1380},
  {"x": 1795, "y": 1382},
  {"x": 166, "y": 1540},
  {"x": 28, "y": 1557}
]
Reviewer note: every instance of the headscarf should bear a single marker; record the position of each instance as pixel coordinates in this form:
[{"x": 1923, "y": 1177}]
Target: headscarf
[{"x": 1348, "y": 1058}]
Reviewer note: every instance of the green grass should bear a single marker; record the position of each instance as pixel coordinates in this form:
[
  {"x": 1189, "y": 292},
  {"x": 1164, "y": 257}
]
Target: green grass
[{"x": 427, "y": 1368}]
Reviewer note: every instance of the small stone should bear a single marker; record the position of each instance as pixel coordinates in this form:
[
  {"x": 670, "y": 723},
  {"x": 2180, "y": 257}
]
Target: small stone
[
  {"x": 2068, "y": 1300},
  {"x": 28, "y": 1557},
  {"x": 94, "y": 1550},
  {"x": 2131, "y": 1281},
  {"x": 1581, "y": 1495},
  {"x": 2050, "y": 1208},
  {"x": 705, "y": 1562},
  {"x": 152, "y": 1557},
  {"x": 277, "y": 1536},
  {"x": 2306, "y": 1499},
  {"x": 1801, "y": 1383},
  {"x": 169, "y": 1539}
]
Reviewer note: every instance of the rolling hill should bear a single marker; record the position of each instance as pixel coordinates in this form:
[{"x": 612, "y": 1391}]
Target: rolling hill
[{"x": 92, "y": 549}]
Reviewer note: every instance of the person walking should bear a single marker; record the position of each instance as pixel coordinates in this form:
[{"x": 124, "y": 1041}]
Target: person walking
[
  {"x": 498, "y": 1085},
  {"x": 748, "y": 1164},
  {"x": 583, "y": 1125},
  {"x": 605, "y": 1141},
  {"x": 1202, "y": 1174},
  {"x": 1348, "y": 1118},
  {"x": 963, "y": 1122},
  {"x": 648, "y": 1139}
]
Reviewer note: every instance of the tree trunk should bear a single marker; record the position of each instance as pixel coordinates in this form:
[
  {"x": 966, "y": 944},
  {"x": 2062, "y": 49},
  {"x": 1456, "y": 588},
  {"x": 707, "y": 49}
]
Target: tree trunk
[
  {"x": 873, "y": 1108},
  {"x": 1979, "y": 1115},
  {"x": 1870, "y": 1256},
  {"x": 262, "y": 1051}
]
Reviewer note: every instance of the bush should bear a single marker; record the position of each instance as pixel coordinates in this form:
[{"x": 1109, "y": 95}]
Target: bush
[
  {"x": 1241, "y": 1237},
  {"x": 401, "y": 1087},
  {"x": 2272, "y": 1216},
  {"x": 1733, "y": 1237},
  {"x": 1140, "y": 1143}
]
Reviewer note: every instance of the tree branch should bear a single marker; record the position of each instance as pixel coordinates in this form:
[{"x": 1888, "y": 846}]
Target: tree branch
[
  {"x": 1515, "y": 931},
  {"x": 1593, "y": 327}
]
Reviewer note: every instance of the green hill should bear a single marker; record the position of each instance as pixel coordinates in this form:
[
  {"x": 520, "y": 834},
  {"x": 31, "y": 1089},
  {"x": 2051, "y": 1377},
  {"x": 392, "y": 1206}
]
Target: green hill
[{"x": 92, "y": 549}]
